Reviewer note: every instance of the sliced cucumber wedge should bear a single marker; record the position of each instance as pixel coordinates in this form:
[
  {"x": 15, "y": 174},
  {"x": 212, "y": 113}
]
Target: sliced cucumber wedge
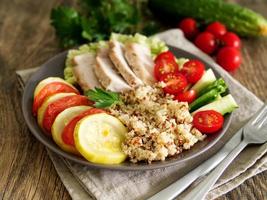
[
  {"x": 226, "y": 104},
  {"x": 207, "y": 78}
]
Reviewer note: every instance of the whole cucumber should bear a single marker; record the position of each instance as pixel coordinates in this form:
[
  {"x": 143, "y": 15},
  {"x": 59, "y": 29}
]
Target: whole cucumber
[{"x": 243, "y": 21}]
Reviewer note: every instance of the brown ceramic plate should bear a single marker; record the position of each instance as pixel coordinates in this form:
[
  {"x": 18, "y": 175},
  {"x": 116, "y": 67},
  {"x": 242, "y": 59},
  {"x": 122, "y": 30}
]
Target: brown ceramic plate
[{"x": 55, "y": 67}]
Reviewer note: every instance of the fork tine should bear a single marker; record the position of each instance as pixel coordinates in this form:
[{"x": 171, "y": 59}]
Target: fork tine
[
  {"x": 262, "y": 121},
  {"x": 259, "y": 114}
]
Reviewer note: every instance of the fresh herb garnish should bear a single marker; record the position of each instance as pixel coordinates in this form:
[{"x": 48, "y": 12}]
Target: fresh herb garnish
[
  {"x": 103, "y": 98},
  {"x": 97, "y": 19}
]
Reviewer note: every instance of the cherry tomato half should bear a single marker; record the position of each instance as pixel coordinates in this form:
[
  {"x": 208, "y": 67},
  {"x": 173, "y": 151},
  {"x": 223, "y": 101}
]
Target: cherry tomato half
[
  {"x": 217, "y": 29},
  {"x": 56, "y": 107},
  {"x": 167, "y": 55},
  {"x": 189, "y": 27},
  {"x": 187, "y": 96},
  {"x": 165, "y": 66},
  {"x": 206, "y": 42},
  {"x": 48, "y": 90},
  {"x": 175, "y": 83},
  {"x": 208, "y": 121},
  {"x": 193, "y": 70},
  {"x": 67, "y": 134},
  {"x": 231, "y": 40},
  {"x": 229, "y": 58}
]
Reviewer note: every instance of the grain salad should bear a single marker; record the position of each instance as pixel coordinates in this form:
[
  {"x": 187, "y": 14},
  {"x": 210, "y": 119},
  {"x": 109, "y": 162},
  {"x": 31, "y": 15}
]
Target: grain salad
[{"x": 158, "y": 126}]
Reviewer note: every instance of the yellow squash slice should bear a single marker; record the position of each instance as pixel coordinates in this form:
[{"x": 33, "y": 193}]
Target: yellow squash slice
[{"x": 99, "y": 137}]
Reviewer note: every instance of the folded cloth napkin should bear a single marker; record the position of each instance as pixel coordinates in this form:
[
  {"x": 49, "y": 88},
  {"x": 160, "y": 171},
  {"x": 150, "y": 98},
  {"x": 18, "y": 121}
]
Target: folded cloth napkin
[{"x": 85, "y": 183}]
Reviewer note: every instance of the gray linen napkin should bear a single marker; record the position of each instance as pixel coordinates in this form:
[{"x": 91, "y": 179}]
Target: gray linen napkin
[{"x": 85, "y": 183}]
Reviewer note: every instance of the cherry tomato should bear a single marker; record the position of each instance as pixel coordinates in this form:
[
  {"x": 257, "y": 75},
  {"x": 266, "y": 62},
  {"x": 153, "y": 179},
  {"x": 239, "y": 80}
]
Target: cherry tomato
[
  {"x": 175, "y": 83},
  {"x": 193, "y": 70},
  {"x": 167, "y": 55},
  {"x": 229, "y": 58},
  {"x": 217, "y": 29},
  {"x": 67, "y": 134},
  {"x": 187, "y": 96},
  {"x": 206, "y": 42},
  {"x": 208, "y": 121},
  {"x": 165, "y": 66},
  {"x": 48, "y": 90},
  {"x": 189, "y": 27},
  {"x": 231, "y": 40},
  {"x": 56, "y": 107}
]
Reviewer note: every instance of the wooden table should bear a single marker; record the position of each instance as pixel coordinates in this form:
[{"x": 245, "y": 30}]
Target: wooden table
[{"x": 27, "y": 40}]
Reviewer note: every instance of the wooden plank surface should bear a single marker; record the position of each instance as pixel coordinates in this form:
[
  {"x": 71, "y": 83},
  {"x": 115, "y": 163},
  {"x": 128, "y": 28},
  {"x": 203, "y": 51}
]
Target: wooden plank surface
[{"x": 27, "y": 40}]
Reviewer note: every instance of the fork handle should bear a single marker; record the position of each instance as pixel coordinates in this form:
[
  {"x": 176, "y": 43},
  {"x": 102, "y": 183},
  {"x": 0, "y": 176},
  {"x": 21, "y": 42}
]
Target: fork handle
[{"x": 202, "y": 189}]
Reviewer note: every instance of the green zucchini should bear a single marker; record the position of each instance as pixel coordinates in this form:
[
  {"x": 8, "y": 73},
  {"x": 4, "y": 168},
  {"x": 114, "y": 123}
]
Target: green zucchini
[{"x": 243, "y": 21}]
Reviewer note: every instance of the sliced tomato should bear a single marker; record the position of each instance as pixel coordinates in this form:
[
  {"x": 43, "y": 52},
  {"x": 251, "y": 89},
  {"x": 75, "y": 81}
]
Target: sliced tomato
[
  {"x": 48, "y": 90},
  {"x": 67, "y": 134},
  {"x": 193, "y": 70},
  {"x": 175, "y": 83},
  {"x": 187, "y": 96},
  {"x": 54, "y": 108},
  {"x": 208, "y": 121},
  {"x": 164, "y": 64},
  {"x": 165, "y": 56}
]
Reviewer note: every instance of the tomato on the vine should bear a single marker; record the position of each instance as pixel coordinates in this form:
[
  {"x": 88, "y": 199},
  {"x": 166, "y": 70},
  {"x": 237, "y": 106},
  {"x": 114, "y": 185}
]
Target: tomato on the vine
[
  {"x": 175, "y": 83},
  {"x": 217, "y": 29},
  {"x": 229, "y": 58},
  {"x": 189, "y": 27},
  {"x": 231, "y": 40},
  {"x": 206, "y": 42}
]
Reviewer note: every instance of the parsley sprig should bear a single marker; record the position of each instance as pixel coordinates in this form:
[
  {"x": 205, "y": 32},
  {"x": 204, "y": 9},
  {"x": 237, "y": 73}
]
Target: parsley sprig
[{"x": 103, "y": 98}]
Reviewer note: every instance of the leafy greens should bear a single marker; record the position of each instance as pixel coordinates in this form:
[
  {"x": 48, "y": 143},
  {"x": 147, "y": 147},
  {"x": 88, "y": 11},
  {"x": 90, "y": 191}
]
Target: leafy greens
[{"x": 96, "y": 19}]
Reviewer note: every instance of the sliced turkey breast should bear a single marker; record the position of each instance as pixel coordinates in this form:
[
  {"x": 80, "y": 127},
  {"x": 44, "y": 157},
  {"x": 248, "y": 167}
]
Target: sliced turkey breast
[
  {"x": 140, "y": 60},
  {"x": 107, "y": 74},
  {"x": 116, "y": 54},
  {"x": 83, "y": 71}
]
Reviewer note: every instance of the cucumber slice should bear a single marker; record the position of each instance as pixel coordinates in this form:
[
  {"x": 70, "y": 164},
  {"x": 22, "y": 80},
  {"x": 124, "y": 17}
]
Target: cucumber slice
[
  {"x": 226, "y": 104},
  {"x": 207, "y": 78}
]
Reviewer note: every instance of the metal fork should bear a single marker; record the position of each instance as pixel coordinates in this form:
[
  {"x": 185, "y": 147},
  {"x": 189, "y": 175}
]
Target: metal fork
[{"x": 253, "y": 133}]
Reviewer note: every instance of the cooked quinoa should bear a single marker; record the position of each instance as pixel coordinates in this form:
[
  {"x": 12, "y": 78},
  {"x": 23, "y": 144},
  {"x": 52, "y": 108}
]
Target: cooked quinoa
[{"x": 158, "y": 126}]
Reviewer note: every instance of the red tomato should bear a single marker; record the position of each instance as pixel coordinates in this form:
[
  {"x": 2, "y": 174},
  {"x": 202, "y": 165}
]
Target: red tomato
[
  {"x": 56, "y": 107},
  {"x": 208, "y": 121},
  {"x": 67, "y": 134},
  {"x": 217, "y": 29},
  {"x": 165, "y": 66},
  {"x": 167, "y": 55},
  {"x": 175, "y": 83},
  {"x": 48, "y": 90},
  {"x": 189, "y": 27},
  {"x": 193, "y": 70},
  {"x": 206, "y": 42},
  {"x": 229, "y": 58},
  {"x": 231, "y": 40},
  {"x": 187, "y": 96}
]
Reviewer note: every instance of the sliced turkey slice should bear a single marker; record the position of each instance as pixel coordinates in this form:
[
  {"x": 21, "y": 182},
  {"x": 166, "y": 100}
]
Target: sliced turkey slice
[
  {"x": 107, "y": 74},
  {"x": 116, "y": 54},
  {"x": 83, "y": 71},
  {"x": 140, "y": 60}
]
